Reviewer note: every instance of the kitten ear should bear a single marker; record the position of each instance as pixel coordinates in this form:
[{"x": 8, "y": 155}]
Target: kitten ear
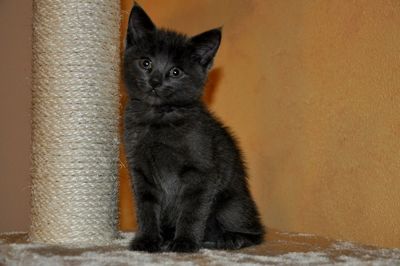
[
  {"x": 139, "y": 25},
  {"x": 205, "y": 46}
]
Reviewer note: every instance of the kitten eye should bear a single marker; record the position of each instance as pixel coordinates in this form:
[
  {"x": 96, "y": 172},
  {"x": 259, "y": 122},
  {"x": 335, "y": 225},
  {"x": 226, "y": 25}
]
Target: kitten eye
[
  {"x": 145, "y": 64},
  {"x": 175, "y": 72}
]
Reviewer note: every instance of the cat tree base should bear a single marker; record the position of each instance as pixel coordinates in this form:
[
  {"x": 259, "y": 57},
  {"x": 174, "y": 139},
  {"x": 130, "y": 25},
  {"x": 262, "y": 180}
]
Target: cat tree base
[{"x": 280, "y": 248}]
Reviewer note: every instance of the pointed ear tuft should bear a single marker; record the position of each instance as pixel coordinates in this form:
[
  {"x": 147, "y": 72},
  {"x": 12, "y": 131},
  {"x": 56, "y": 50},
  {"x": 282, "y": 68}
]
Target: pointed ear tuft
[
  {"x": 205, "y": 46},
  {"x": 139, "y": 25}
]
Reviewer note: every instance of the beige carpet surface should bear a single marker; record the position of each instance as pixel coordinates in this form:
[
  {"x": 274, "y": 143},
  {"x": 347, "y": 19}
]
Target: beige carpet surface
[{"x": 280, "y": 248}]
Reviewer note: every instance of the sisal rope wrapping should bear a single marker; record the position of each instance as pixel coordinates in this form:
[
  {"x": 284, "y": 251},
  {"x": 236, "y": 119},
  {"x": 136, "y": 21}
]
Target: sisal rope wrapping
[{"x": 75, "y": 121}]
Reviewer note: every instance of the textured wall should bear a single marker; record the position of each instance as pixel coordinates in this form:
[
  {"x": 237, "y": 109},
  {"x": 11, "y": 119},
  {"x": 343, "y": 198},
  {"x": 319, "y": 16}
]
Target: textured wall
[{"x": 312, "y": 90}]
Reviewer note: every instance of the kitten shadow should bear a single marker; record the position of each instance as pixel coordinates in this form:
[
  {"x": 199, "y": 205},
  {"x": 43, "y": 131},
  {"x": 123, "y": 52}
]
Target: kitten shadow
[{"x": 214, "y": 77}]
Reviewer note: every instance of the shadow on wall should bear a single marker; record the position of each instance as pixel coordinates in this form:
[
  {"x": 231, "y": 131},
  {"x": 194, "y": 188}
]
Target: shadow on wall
[{"x": 214, "y": 78}]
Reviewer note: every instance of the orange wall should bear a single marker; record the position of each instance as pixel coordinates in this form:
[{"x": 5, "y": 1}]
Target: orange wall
[{"x": 312, "y": 90}]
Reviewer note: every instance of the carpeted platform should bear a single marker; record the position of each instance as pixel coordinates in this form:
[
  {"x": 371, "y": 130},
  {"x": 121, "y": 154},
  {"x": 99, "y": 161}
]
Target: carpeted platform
[{"x": 280, "y": 248}]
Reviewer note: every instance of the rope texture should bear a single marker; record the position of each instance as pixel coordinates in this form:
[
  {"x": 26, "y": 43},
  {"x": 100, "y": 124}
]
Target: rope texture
[{"x": 75, "y": 121}]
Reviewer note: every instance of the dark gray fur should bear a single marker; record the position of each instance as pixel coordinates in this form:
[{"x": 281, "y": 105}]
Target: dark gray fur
[{"x": 189, "y": 178}]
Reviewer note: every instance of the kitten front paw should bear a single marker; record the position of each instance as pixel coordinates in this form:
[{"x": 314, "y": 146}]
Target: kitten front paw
[
  {"x": 145, "y": 244},
  {"x": 183, "y": 245}
]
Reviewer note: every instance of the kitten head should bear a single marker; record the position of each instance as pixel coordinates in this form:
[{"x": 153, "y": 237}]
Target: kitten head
[{"x": 165, "y": 67}]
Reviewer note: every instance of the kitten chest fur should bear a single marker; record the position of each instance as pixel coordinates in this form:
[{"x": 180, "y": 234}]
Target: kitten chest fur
[{"x": 163, "y": 152}]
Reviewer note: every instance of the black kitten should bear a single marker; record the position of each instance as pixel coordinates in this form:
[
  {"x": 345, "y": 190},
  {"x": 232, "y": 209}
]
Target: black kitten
[{"x": 188, "y": 175}]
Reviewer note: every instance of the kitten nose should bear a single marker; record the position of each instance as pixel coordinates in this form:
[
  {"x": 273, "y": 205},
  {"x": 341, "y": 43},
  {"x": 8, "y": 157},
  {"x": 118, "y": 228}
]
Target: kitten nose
[{"x": 155, "y": 81}]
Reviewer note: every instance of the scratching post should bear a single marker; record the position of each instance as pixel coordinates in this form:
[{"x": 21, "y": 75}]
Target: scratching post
[{"x": 75, "y": 121}]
